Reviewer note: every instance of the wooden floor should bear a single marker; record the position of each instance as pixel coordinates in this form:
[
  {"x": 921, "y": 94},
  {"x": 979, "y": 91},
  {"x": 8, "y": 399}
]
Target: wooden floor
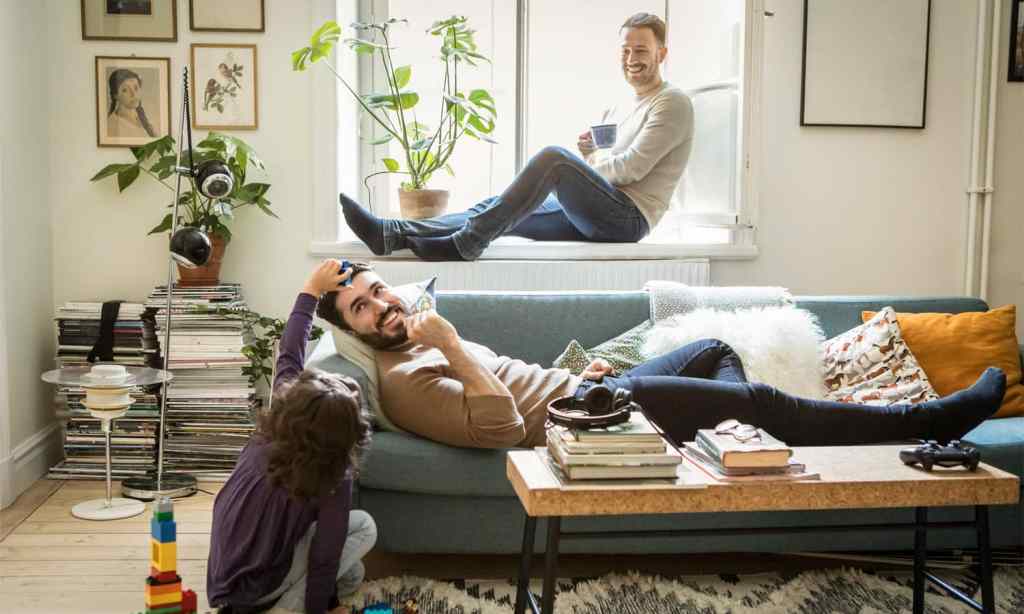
[{"x": 51, "y": 562}]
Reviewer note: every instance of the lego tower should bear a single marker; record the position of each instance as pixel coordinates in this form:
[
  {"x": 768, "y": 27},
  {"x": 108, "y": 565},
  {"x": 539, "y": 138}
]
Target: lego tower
[{"x": 163, "y": 586}]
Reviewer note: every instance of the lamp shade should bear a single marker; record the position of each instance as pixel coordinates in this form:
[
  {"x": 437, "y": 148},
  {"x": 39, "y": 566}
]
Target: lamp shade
[{"x": 190, "y": 247}]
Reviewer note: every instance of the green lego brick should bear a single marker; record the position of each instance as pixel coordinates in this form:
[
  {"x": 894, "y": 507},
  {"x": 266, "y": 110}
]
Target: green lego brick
[
  {"x": 161, "y": 516},
  {"x": 170, "y": 609}
]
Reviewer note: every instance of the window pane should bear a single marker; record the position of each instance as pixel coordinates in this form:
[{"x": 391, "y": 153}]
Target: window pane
[
  {"x": 705, "y": 59},
  {"x": 480, "y": 169},
  {"x": 574, "y": 68}
]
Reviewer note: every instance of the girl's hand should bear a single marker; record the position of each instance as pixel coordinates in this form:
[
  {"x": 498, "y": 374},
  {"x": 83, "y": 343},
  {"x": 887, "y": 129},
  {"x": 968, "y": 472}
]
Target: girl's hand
[{"x": 325, "y": 277}]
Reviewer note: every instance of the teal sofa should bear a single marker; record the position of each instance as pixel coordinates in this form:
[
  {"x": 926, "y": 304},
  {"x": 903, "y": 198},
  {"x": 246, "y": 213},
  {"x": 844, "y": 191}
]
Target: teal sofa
[{"x": 430, "y": 497}]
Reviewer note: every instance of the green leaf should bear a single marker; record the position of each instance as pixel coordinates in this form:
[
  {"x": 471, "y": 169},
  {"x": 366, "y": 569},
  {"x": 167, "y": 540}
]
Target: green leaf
[
  {"x": 420, "y": 144},
  {"x": 481, "y": 124},
  {"x": 126, "y": 177},
  {"x": 391, "y": 164},
  {"x": 484, "y": 100},
  {"x": 448, "y": 167},
  {"x": 360, "y": 45},
  {"x": 402, "y": 76},
  {"x": 111, "y": 169},
  {"x": 406, "y": 101},
  {"x": 163, "y": 226},
  {"x": 439, "y": 26},
  {"x": 329, "y": 32},
  {"x": 384, "y": 139},
  {"x": 266, "y": 209},
  {"x": 301, "y": 59}
]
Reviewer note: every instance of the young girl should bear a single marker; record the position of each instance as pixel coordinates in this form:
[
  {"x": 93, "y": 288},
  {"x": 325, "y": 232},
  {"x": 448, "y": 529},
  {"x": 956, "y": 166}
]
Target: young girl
[{"x": 283, "y": 534}]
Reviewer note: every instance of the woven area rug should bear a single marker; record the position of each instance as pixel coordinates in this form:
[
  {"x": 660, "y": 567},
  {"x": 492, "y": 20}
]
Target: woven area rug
[{"x": 838, "y": 591}]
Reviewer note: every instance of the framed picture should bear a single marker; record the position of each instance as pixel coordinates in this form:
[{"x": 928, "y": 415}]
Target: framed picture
[
  {"x": 224, "y": 87},
  {"x": 130, "y": 20},
  {"x": 865, "y": 63},
  {"x": 133, "y": 100},
  {"x": 1016, "y": 62},
  {"x": 226, "y": 15}
]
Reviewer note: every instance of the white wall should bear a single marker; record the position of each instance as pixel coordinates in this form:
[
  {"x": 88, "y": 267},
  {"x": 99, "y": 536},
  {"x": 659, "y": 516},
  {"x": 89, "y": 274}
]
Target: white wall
[
  {"x": 26, "y": 303},
  {"x": 1007, "y": 277}
]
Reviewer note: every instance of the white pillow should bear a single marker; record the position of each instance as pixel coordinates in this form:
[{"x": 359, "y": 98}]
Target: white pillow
[
  {"x": 417, "y": 297},
  {"x": 669, "y": 298},
  {"x": 872, "y": 365},
  {"x": 779, "y": 346}
]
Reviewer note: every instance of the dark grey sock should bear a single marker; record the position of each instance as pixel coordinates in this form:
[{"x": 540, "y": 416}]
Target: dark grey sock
[
  {"x": 437, "y": 249},
  {"x": 955, "y": 415},
  {"x": 368, "y": 227}
]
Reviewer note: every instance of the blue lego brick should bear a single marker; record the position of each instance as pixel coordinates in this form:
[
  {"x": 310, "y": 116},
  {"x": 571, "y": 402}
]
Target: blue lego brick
[{"x": 163, "y": 532}]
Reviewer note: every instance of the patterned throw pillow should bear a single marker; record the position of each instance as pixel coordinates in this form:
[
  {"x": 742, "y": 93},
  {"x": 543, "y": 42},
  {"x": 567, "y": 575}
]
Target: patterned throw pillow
[
  {"x": 872, "y": 365},
  {"x": 622, "y": 352}
]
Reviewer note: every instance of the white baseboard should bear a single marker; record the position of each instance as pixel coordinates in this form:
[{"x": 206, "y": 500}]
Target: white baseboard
[{"x": 28, "y": 462}]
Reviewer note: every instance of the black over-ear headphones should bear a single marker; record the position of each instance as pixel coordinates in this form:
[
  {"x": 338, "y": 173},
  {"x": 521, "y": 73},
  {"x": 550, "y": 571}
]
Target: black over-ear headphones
[{"x": 598, "y": 408}]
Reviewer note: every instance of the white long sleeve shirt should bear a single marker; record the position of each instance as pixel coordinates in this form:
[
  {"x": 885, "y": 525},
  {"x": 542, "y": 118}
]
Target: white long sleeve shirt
[{"x": 651, "y": 148}]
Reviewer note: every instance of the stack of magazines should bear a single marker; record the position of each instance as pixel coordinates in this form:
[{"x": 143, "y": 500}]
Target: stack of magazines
[
  {"x": 133, "y": 437},
  {"x": 210, "y": 402},
  {"x": 630, "y": 450},
  {"x": 759, "y": 457}
]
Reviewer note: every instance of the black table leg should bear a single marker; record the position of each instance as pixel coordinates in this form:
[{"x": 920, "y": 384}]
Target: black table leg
[
  {"x": 920, "y": 550},
  {"x": 547, "y": 599},
  {"x": 988, "y": 596},
  {"x": 523, "y": 585}
]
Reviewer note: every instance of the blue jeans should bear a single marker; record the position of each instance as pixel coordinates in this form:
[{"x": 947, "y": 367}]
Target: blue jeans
[
  {"x": 703, "y": 383},
  {"x": 556, "y": 197}
]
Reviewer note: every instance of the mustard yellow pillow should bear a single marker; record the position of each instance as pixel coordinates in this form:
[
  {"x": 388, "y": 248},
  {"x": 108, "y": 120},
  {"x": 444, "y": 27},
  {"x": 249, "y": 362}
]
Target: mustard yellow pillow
[{"x": 954, "y": 349}]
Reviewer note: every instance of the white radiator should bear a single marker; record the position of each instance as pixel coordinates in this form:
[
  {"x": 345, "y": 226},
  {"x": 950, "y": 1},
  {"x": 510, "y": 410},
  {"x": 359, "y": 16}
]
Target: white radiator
[{"x": 546, "y": 274}]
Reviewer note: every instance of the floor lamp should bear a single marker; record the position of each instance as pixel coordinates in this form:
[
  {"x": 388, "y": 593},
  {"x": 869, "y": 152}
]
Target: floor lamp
[{"x": 191, "y": 248}]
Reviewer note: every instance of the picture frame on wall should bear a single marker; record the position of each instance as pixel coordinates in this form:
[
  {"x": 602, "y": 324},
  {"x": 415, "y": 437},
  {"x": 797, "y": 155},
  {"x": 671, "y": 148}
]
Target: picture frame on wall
[
  {"x": 133, "y": 100},
  {"x": 224, "y": 87},
  {"x": 227, "y": 15},
  {"x": 1016, "y": 62},
  {"x": 130, "y": 20},
  {"x": 865, "y": 63}
]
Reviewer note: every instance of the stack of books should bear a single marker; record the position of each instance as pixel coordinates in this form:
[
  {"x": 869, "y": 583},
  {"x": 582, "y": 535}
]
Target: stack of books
[
  {"x": 729, "y": 459},
  {"x": 133, "y": 437},
  {"x": 210, "y": 403},
  {"x": 631, "y": 450}
]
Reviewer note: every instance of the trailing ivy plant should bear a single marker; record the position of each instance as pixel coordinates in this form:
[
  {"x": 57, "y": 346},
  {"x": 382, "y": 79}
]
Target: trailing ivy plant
[
  {"x": 426, "y": 149},
  {"x": 158, "y": 160},
  {"x": 264, "y": 333}
]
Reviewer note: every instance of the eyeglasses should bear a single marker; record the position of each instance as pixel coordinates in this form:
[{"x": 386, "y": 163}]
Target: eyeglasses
[{"x": 741, "y": 432}]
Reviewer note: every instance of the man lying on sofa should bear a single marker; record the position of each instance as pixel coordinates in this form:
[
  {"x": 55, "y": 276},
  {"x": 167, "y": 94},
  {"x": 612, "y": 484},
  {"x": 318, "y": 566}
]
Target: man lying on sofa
[{"x": 454, "y": 391}]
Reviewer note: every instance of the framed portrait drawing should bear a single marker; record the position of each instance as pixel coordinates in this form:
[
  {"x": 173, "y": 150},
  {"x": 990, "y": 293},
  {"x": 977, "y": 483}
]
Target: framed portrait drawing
[
  {"x": 224, "y": 87},
  {"x": 1016, "y": 63},
  {"x": 130, "y": 20},
  {"x": 226, "y": 15},
  {"x": 865, "y": 63},
  {"x": 133, "y": 100}
]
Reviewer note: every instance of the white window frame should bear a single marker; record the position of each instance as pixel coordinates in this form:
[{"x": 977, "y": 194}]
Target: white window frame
[{"x": 332, "y": 174}]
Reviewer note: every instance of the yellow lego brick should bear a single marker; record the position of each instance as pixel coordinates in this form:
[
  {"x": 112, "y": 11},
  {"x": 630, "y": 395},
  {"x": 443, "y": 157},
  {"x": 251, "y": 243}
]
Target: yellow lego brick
[
  {"x": 153, "y": 601},
  {"x": 164, "y": 556}
]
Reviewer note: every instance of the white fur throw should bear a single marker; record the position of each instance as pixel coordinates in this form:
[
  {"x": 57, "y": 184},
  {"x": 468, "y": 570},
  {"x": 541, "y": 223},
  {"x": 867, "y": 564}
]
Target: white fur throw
[{"x": 779, "y": 346}]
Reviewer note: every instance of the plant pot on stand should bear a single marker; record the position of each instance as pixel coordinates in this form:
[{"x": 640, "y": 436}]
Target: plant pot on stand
[
  {"x": 209, "y": 273},
  {"x": 421, "y": 204}
]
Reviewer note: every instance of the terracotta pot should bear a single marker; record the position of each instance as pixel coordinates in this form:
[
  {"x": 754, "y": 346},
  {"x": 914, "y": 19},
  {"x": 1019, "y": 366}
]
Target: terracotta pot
[
  {"x": 420, "y": 204},
  {"x": 209, "y": 273}
]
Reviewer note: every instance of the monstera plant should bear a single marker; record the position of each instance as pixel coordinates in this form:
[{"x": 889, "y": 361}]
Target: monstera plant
[{"x": 425, "y": 149}]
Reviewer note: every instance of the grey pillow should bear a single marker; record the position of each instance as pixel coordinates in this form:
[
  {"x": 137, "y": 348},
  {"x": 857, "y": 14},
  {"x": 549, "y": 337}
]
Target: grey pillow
[{"x": 622, "y": 352}]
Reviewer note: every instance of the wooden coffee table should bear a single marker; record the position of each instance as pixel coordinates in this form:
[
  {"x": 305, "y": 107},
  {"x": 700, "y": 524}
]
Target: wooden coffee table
[{"x": 851, "y": 478}]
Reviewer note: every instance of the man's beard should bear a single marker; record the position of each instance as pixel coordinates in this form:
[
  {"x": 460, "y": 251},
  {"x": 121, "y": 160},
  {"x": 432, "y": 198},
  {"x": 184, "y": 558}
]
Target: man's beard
[
  {"x": 642, "y": 78},
  {"x": 381, "y": 341}
]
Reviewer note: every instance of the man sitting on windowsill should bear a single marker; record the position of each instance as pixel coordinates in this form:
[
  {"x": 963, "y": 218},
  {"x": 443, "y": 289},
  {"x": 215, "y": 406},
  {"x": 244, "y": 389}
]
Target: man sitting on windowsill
[
  {"x": 610, "y": 195},
  {"x": 454, "y": 391}
]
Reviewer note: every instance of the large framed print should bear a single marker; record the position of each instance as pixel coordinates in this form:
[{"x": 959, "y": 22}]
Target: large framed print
[
  {"x": 133, "y": 100},
  {"x": 130, "y": 20},
  {"x": 224, "y": 87},
  {"x": 865, "y": 63},
  {"x": 227, "y": 15}
]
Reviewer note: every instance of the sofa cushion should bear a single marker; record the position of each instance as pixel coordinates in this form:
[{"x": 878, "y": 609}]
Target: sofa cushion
[
  {"x": 622, "y": 352},
  {"x": 397, "y": 461},
  {"x": 1001, "y": 443},
  {"x": 956, "y": 348}
]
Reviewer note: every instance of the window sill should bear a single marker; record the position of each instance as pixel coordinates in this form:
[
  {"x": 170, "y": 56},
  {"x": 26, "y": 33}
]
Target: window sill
[{"x": 511, "y": 248}]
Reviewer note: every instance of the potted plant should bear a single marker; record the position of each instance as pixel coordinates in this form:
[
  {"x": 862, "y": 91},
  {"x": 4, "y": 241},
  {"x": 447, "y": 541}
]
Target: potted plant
[
  {"x": 425, "y": 149},
  {"x": 158, "y": 160}
]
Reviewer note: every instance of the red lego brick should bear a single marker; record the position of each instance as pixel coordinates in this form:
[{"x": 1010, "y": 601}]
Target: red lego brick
[{"x": 189, "y": 602}]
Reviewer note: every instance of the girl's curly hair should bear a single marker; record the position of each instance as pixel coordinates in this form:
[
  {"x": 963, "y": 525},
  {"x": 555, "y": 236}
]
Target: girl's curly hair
[{"x": 317, "y": 433}]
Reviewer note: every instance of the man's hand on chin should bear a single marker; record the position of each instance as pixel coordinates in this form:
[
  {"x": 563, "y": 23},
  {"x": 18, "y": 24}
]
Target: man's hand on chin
[
  {"x": 597, "y": 369},
  {"x": 430, "y": 329}
]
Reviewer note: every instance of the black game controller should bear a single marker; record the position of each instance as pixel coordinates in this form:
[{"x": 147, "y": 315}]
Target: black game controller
[{"x": 931, "y": 454}]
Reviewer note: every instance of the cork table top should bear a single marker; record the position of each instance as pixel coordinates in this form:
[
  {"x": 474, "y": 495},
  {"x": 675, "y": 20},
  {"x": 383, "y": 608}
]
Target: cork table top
[{"x": 851, "y": 477}]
